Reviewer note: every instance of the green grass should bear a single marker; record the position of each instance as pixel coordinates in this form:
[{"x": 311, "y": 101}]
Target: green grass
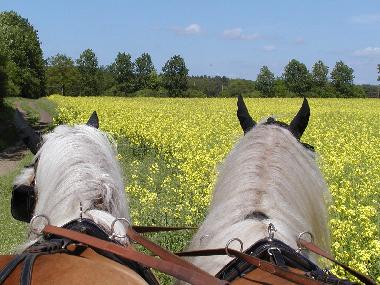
[{"x": 13, "y": 232}]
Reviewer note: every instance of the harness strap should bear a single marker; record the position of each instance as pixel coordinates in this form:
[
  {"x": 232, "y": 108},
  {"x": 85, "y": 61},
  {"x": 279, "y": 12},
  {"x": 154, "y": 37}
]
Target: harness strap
[
  {"x": 169, "y": 263},
  {"x": 26, "y": 274},
  {"x": 312, "y": 247},
  {"x": 259, "y": 263},
  {"x": 154, "y": 229},
  {"x": 7, "y": 270}
]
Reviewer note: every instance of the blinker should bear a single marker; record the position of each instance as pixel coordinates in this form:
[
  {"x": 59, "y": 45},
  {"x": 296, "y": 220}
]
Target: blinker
[{"x": 23, "y": 202}]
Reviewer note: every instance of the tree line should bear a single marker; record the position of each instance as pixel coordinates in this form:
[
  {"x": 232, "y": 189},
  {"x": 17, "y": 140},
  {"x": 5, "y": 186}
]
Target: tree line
[{"x": 24, "y": 72}]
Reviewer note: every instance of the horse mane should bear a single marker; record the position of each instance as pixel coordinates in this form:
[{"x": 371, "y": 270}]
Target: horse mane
[
  {"x": 77, "y": 165},
  {"x": 268, "y": 177}
]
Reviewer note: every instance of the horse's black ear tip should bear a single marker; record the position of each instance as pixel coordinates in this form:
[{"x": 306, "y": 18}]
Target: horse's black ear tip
[
  {"x": 306, "y": 105},
  {"x": 94, "y": 120}
]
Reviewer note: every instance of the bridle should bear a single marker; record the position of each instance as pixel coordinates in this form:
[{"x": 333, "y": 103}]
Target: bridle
[
  {"x": 273, "y": 121},
  {"x": 24, "y": 199}
]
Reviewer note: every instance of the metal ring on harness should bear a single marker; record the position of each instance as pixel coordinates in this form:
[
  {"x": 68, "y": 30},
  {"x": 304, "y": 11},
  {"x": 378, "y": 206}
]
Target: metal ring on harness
[
  {"x": 273, "y": 248},
  {"x": 37, "y": 231},
  {"x": 115, "y": 235},
  {"x": 299, "y": 238},
  {"x": 229, "y": 242}
]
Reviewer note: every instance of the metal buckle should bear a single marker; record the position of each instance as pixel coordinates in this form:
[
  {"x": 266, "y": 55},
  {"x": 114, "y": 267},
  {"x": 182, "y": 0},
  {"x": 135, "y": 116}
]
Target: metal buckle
[
  {"x": 271, "y": 231},
  {"x": 115, "y": 235},
  {"x": 37, "y": 231},
  {"x": 229, "y": 242},
  {"x": 300, "y": 248}
]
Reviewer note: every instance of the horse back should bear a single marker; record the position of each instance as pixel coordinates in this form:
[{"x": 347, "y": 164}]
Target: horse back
[{"x": 88, "y": 268}]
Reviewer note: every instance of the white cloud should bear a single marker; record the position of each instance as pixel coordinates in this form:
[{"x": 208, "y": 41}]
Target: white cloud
[
  {"x": 237, "y": 34},
  {"x": 366, "y": 19},
  {"x": 299, "y": 41},
  {"x": 368, "y": 52},
  {"x": 269, "y": 48},
  {"x": 193, "y": 29}
]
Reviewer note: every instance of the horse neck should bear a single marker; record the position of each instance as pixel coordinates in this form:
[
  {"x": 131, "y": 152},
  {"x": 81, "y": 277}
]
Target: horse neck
[
  {"x": 77, "y": 165},
  {"x": 268, "y": 172}
]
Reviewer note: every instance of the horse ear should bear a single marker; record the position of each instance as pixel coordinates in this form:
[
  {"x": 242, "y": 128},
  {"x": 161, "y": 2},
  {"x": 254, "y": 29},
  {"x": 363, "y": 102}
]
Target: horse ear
[
  {"x": 246, "y": 121},
  {"x": 300, "y": 121},
  {"x": 93, "y": 121},
  {"x": 30, "y": 137}
]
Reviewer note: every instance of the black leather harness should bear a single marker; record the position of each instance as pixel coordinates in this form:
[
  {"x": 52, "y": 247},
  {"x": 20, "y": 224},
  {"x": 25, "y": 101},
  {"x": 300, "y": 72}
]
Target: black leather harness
[
  {"x": 52, "y": 244},
  {"x": 277, "y": 252}
]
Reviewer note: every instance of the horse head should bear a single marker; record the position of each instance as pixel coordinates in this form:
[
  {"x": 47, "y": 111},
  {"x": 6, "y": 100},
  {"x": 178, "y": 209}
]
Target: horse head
[
  {"x": 73, "y": 174},
  {"x": 269, "y": 177}
]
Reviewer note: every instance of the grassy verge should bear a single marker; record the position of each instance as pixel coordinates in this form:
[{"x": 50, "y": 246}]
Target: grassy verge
[{"x": 12, "y": 231}]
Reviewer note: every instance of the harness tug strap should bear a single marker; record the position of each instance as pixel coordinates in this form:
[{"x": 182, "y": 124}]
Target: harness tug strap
[
  {"x": 26, "y": 275},
  {"x": 8, "y": 269}
]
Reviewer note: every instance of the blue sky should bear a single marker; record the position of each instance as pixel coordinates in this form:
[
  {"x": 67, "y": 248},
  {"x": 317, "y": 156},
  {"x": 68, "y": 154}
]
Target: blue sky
[{"x": 232, "y": 38}]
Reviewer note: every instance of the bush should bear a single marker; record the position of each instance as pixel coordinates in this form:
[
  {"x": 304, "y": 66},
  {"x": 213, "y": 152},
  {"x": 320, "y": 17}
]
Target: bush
[
  {"x": 146, "y": 93},
  {"x": 280, "y": 90},
  {"x": 253, "y": 94},
  {"x": 322, "y": 92},
  {"x": 193, "y": 93}
]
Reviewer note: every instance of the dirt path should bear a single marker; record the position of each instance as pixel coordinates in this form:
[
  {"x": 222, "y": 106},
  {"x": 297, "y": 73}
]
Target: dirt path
[{"x": 10, "y": 157}]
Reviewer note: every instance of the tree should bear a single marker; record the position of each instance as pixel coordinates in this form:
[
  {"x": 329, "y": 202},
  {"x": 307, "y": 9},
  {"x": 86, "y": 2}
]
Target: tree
[
  {"x": 123, "y": 73},
  {"x": 265, "y": 82},
  {"x": 319, "y": 74},
  {"x": 342, "y": 78},
  {"x": 297, "y": 77},
  {"x": 20, "y": 44},
  {"x": 87, "y": 64},
  {"x": 3, "y": 78},
  {"x": 239, "y": 87},
  {"x": 144, "y": 72},
  {"x": 174, "y": 77},
  {"x": 378, "y": 70},
  {"x": 62, "y": 76}
]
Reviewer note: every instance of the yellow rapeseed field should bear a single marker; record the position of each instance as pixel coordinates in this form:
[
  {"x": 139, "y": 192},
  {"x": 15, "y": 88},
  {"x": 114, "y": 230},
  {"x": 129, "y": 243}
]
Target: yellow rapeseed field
[{"x": 171, "y": 149}]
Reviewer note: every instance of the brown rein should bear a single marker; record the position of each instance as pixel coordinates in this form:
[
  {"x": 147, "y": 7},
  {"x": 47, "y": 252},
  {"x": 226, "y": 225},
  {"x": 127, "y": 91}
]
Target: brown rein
[
  {"x": 313, "y": 248},
  {"x": 168, "y": 262}
]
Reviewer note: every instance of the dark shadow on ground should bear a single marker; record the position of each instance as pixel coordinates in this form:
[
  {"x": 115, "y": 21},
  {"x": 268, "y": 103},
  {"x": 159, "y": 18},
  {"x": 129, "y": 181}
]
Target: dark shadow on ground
[{"x": 8, "y": 133}]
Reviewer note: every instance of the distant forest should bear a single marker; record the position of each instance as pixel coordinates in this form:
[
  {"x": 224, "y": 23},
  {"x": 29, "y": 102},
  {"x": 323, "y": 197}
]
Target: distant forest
[{"x": 24, "y": 72}]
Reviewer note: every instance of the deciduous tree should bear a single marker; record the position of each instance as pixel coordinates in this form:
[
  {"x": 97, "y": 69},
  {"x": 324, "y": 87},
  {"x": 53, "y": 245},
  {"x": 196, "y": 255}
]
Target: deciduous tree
[
  {"x": 342, "y": 78},
  {"x": 144, "y": 71},
  {"x": 297, "y": 77},
  {"x": 319, "y": 74},
  {"x": 265, "y": 82},
  {"x": 62, "y": 76},
  {"x": 174, "y": 77},
  {"x": 88, "y": 68},
  {"x": 123, "y": 73},
  {"x": 20, "y": 44},
  {"x": 3, "y": 78}
]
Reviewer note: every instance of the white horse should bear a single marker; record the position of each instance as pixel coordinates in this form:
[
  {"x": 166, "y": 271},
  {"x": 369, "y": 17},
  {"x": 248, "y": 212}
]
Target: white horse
[
  {"x": 74, "y": 167},
  {"x": 269, "y": 177}
]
